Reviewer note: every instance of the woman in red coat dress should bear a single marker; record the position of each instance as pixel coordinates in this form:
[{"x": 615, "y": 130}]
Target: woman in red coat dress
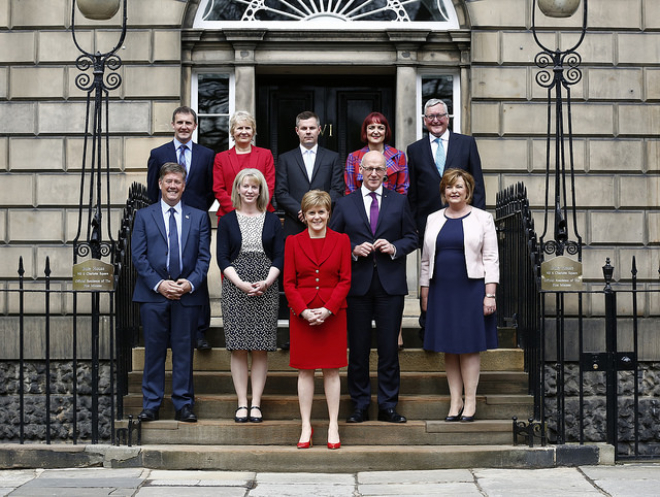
[
  {"x": 243, "y": 155},
  {"x": 317, "y": 277}
]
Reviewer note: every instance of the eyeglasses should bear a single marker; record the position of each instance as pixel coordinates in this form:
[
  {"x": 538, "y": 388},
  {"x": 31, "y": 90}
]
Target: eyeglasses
[
  {"x": 370, "y": 170},
  {"x": 433, "y": 117}
]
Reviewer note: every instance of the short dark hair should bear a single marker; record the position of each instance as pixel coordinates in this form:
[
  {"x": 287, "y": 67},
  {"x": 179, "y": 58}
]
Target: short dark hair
[
  {"x": 307, "y": 114},
  {"x": 376, "y": 118},
  {"x": 184, "y": 109},
  {"x": 172, "y": 167}
]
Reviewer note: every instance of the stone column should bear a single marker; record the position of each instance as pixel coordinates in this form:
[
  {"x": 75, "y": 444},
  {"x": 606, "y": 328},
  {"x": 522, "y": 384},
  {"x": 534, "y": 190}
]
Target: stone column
[
  {"x": 245, "y": 45},
  {"x": 406, "y": 121}
]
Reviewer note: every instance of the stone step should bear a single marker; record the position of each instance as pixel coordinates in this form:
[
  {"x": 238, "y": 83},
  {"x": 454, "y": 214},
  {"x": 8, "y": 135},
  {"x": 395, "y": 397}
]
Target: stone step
[
  {"x": 348, "y": 459},
  {"x": 286, "y": 433},
  {"x": 217, "y": 359},
  {"x": 285, "y": 407},
  {"x": 285, "y": 382},
  {"x": 410, "y": 332}
]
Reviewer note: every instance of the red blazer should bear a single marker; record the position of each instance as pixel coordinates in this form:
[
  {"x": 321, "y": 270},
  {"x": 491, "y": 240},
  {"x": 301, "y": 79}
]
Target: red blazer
[
  {"x": 226, "y": 167},
  {"x": 329, "y": 278}
]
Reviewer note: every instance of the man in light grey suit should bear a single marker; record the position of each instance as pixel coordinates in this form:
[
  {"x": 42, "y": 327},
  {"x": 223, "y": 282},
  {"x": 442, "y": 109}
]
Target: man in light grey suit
[{"x": 307, "y": 167}]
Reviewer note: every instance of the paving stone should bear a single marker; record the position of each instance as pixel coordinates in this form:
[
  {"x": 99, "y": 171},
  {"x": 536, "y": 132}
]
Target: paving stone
[
  {"x": 304, "y": 478},
  {"x": 423, "y": 477},
  {"x": 165, "y": 478},
  {"x": 192, "y": 492},
  {"x": 303, "y": 490},
  {"x": 538, "y": 482},
  {"x": 420, "y": 490},
  {"x": 626, "y": 480}
]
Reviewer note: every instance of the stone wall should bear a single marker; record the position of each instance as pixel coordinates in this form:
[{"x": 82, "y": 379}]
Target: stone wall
[
  {"x": 62, "y": 408},
  {"x": 594, "y": 409},
  {"x": 616, "y": 110},
  {"x": 615, "y": 114}
]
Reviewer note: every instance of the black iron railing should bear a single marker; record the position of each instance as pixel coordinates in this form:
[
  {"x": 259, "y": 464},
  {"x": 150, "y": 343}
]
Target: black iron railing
[
  {"x": 586, "y": 375},
  {"x": 57, "y": 386}
]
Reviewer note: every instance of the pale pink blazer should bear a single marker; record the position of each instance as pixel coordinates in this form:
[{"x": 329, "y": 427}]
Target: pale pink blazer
[{"x": 480, "y": 239}]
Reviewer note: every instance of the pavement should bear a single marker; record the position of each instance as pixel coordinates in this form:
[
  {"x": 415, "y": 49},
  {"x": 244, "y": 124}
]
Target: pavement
[{"x": 638, "y": 480}]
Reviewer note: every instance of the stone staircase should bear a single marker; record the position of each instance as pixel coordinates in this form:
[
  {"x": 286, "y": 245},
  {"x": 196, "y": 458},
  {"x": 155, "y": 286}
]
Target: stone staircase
[{"x": 425, "y": 442}]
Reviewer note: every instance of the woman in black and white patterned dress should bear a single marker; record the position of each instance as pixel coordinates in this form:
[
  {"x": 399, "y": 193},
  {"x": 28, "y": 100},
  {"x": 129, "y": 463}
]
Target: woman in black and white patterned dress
[{"x": 250, "y": 253}]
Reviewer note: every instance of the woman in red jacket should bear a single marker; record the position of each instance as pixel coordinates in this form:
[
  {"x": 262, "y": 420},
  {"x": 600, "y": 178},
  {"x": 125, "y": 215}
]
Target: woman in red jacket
[
  {"x": 243, "y": 155},
  {"x": 317, "y": 278}
]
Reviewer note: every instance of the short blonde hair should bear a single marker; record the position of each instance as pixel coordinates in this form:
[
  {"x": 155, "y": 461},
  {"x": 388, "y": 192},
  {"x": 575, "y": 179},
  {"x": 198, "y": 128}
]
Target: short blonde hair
[
  {"x": 450, "y": 177},
  {"x": 315, "y": 198},
  {"x": 241, "y": 115},
  {"x": 258, "y": 177}
]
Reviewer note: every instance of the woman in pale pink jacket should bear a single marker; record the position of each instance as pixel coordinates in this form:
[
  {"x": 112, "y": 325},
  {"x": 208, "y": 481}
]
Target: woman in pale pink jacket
[{"x": 459, "y": 277}]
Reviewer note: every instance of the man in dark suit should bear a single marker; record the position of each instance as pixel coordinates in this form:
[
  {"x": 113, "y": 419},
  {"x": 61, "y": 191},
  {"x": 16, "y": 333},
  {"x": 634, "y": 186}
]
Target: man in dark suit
[
  {"x": 307, "y": 167},
  {"x": 382, "y": 231},
  {"x": 171, "y": 254},
  {"x": 198, "y": 162},
  {"x": 425, "y": 164}
]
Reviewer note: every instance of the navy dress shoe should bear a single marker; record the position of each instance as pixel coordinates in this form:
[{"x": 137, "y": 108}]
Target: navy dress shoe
[
  {"x": 186, "y": 415},
  {"x": 148, "y": 415},
  {"x": 390, "y": 416},
  {"x": 203, "y": 344},
  {"x": 358, "y": 416}
]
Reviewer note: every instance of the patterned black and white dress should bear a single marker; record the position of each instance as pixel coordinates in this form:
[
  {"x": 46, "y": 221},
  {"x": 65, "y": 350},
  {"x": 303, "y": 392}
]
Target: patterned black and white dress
[{"x": 250, "y": 322}]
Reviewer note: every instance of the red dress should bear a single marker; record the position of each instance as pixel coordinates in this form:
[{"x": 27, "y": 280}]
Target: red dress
[{"x": 312, "y": 281}]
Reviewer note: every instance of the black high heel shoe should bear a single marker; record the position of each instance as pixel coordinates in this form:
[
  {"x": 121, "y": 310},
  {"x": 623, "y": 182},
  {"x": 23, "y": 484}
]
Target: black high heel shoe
[
  {"x": 468, "y": 419},
  {"x": 453, "y": 419}
]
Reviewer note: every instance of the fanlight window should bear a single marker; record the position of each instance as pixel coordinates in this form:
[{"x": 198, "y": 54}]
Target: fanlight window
[{"x": 324, "y": 14}]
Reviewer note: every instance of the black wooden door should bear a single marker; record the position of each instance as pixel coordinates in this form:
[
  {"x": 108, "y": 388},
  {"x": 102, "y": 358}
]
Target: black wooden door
[{"x": 341, "y": 107}]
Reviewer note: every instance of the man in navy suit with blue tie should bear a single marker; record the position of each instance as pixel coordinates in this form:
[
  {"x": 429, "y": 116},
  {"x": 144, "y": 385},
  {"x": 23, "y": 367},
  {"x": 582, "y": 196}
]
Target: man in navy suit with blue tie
[
  {"x": 198, "y": 162},
  {"x": 171, "y": 254},
  {"x": 382, "y": 231}
]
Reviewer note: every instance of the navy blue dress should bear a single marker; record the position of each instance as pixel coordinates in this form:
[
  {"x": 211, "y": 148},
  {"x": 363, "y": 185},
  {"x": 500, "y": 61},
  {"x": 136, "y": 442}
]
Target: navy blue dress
[{"x": 455, "y": 321}]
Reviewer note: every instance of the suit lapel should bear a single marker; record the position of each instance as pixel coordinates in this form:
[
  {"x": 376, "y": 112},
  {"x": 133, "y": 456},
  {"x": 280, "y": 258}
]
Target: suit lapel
[
  {"x": 328, "y": 246},
  {"x": 385, "y": 202},
  {"x": 359, "y": 201},
  {"x": 430, "y": 160},
  {"x": 451, "y": 150},
  {"x": 159, "y": 219},
  {"x": 193, "y": 162},
  {"x": 317, "y": 163},
  {"x": 301, "y": 164},
  {"x": 233, "y": 161},
  {"x": 185, "y": 226}
]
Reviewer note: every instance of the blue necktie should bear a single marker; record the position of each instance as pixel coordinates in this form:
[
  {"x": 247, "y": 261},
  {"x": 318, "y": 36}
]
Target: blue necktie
[
  {"x": 174, "y": 261},
  {"x": 440, "y": 156},
  {"x": 182, "y": 157},
  {"x": 373, "y": 212}
]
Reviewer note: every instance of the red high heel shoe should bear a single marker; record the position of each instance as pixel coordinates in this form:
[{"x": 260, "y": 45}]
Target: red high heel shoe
[
  {"x": 308, "y": 444},
  {"x": 333, "y": 446}
]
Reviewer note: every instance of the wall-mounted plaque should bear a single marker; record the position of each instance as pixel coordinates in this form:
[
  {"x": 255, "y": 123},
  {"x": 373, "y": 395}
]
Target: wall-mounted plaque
[
  {"x": 93, "y": 275},
  {"x": 561, "y": 274}
]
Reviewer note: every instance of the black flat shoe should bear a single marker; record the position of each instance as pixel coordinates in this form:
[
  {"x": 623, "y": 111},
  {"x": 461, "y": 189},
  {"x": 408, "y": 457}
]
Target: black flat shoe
[
  {"x": 358, "y": 416},
  {"x": 390, "y": 416},
  {"x": 148, "y": 415},
  {"x": 255, "y": 419},
  {"x": 186, "y": 415},
  {"x": 453, "y": 419},
  {"x": 241, "y": 419}
]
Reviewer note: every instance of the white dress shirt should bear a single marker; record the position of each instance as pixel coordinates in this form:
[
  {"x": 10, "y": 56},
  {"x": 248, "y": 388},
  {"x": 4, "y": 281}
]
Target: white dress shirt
[{"x": 309, "y": 158}]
